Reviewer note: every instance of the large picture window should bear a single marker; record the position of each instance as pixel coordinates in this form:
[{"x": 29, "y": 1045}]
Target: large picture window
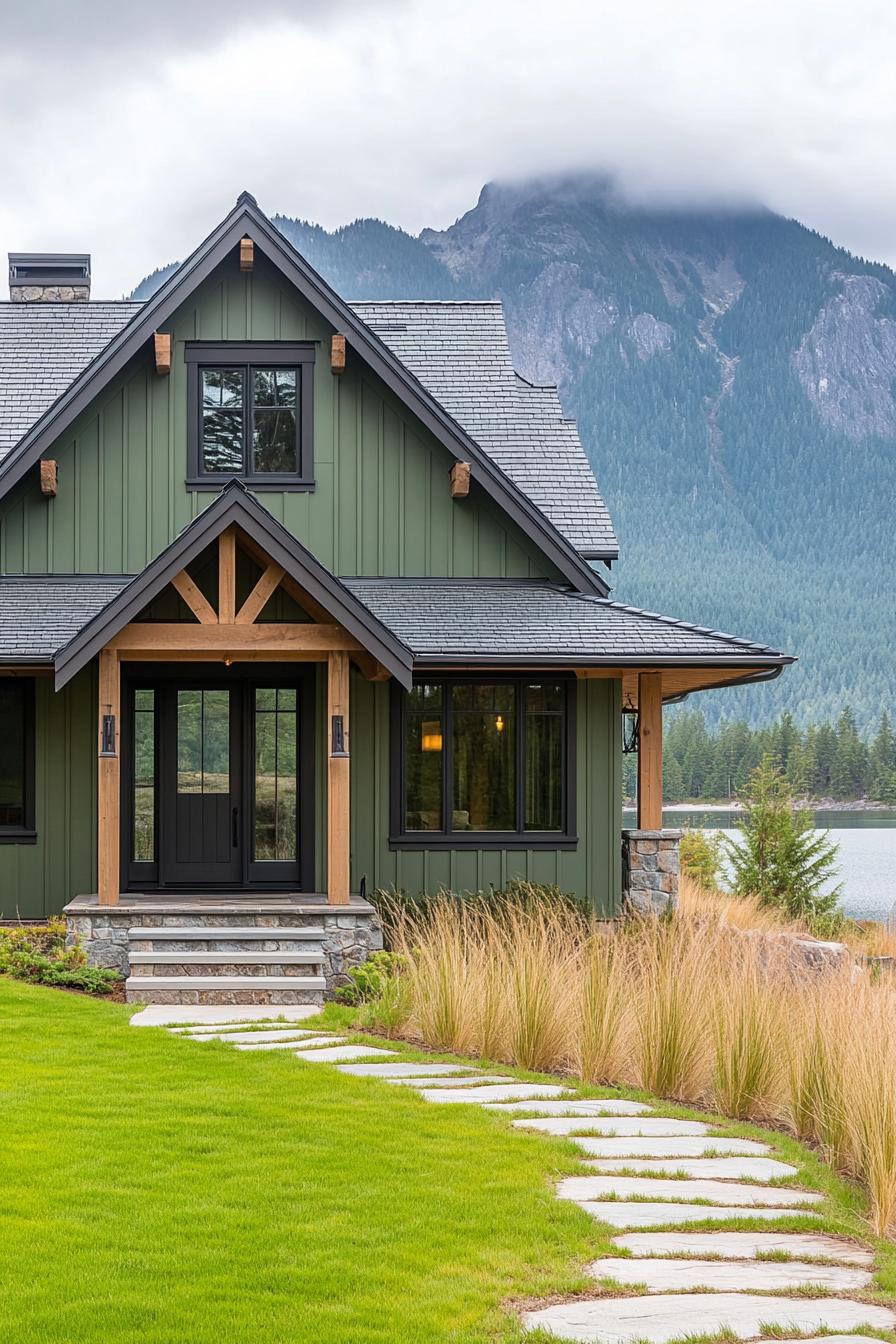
[
  {"x": 250, "y": 414},
  {"x": 16, "y": 760},
  {"x": 484, "y": 763}
]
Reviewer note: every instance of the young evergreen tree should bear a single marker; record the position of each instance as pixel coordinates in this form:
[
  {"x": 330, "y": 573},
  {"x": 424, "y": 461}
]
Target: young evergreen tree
[{"x": 779, "y": 858}]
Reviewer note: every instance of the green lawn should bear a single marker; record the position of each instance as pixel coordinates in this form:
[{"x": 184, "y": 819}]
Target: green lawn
[{"x": 157, "y": 1191}]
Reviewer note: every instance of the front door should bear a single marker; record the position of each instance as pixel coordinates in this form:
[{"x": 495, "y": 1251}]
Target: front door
[
  {"x": 201, "y": 786},
  {"x": 220, "y": 771}
]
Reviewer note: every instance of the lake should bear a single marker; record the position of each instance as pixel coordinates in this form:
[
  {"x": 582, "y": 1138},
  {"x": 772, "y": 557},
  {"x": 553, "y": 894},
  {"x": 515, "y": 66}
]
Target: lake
[{"x": 867, "y": 843}]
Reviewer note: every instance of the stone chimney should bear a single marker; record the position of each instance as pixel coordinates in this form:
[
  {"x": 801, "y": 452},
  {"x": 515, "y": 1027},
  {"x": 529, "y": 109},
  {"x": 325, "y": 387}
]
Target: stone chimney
[{"x": 49, "y": 277}]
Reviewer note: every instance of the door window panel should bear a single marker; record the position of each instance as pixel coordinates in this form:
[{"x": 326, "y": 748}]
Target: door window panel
[
  {"x": 203, "y": 741},
  {"x": 276, "y": 793},
  {"x": 144, "y": 837}
]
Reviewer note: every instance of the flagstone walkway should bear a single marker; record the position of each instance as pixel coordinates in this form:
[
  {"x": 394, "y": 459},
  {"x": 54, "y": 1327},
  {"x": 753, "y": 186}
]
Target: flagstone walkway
[{"x": 640, "y": 1170}]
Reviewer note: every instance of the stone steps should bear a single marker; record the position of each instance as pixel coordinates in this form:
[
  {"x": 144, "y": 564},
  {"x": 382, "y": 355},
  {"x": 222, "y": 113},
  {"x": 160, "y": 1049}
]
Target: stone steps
[{"x": 225, "y": 958}]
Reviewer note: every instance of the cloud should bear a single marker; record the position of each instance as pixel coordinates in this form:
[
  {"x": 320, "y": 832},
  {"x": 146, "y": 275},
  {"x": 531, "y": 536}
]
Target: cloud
[{"x": 131, "y": 133}]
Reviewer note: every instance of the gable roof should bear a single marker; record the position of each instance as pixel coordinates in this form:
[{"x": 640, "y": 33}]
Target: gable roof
[
  {"x": 236, "y": 507},
  {"x": 460, "y": 352},
  {"x": 246, "y": 218}
]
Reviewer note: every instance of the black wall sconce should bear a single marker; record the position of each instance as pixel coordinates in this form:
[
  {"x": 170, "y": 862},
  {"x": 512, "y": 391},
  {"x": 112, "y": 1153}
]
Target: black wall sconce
[
  {"x": 337, "y": 736},
  {"x": 107, "y": 736},
  {"x": 631, "y": 728}
]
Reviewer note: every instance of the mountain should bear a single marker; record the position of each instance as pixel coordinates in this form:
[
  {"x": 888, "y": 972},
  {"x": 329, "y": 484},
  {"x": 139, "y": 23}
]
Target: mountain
[{"x": 733, "y": 374}]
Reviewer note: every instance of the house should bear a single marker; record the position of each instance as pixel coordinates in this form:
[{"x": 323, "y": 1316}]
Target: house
[{"x": 301, "y": 599}]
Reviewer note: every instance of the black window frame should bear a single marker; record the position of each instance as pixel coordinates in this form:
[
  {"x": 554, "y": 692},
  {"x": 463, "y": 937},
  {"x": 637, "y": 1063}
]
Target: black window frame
[
  {"x": 246, "y": 356},
  {"x": 26, "y": 834},
  {"x": 402, "y": 839}
]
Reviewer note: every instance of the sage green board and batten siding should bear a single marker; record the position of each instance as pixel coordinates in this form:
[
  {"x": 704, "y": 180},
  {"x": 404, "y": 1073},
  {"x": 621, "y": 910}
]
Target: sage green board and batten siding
[
  {"x": 381, "y": 505},
  {"x": 36, "y": 880},
  {"x": 591, "y": 870}
]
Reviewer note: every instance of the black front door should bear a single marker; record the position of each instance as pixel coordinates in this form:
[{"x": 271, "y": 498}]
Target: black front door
[
  {"x": 219, "y": 780},
  {"x": 202, "y": 830}
]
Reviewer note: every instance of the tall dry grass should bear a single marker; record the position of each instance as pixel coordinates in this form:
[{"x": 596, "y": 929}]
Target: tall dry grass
[{"x": 695, "y": 1009}]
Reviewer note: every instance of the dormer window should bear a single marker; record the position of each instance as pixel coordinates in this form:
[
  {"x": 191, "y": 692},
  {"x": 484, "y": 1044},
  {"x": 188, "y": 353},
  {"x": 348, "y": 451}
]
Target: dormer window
[{"x": 250, "y": 414}]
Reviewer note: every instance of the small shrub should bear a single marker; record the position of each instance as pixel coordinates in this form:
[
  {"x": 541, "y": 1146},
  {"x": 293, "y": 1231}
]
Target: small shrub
[
  {"x": 701, "y": 857},
  {"x": 37, "y": 954},
  {"x": 368, "y": 979}
]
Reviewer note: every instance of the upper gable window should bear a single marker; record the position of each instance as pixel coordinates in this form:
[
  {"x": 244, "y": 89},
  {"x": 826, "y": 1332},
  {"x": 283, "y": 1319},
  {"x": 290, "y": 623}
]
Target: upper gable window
[{"x": 250, "y": 414}]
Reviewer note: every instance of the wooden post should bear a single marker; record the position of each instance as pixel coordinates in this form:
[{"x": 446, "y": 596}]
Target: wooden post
[
  {"x": 108, "y": 783},
  {"x": 227, "y": 577},
  {"x": 650, "y": 751},
  {"x": 247, "y": 254},
  {"x": 338, "y": 782}
]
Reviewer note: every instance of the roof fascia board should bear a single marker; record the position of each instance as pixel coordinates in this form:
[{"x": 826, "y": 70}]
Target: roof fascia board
[
  {"x": 191, "y": 273},
  {"x": 236, "y": 507}
]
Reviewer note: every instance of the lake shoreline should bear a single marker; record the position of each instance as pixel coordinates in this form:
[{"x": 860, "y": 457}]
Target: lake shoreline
[{"x": 811, "y": 804}]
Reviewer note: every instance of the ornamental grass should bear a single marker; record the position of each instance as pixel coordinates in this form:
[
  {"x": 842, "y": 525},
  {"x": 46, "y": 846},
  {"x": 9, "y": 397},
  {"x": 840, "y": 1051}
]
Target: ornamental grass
[{"x": 693, "y": 1008}]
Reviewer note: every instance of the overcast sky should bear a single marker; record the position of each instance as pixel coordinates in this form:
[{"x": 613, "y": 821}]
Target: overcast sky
[{"x": 128, "y": 129}]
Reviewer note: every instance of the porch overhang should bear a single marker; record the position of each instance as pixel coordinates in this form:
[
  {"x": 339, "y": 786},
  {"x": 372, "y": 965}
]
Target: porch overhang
[{"x": 354, "y": 626}]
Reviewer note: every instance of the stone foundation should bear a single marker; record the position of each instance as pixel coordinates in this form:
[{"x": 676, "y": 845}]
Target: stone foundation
[
  {"x": 650, "y": 869},
  {"x": 349, "y": 933}
]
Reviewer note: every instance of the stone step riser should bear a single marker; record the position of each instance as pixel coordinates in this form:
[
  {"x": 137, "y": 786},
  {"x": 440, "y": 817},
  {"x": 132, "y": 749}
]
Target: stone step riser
[
  {"x": 241, "y": 960},
  {"x": 206, "y": 970},
  {"x": 179, "y": 997},
  {"x": 184, "y": 933}
]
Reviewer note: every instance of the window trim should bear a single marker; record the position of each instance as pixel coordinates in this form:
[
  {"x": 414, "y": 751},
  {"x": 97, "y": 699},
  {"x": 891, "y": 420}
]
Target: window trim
[
  {"x": 26, "y": 834},
  {"x": 298, "y": 355},
  {"x": 402, "y": 839}
]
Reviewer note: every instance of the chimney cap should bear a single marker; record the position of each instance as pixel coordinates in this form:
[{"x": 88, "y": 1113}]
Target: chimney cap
[{"x": 49, "y": 268}]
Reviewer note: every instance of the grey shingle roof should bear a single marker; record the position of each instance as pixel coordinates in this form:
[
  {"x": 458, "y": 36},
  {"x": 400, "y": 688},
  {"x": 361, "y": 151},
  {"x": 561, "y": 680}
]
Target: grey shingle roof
[
  {"x": 477, "y": 619},
  {"x": 38, "y": 615},
  {"x": 458, "y": 351},
  {"x": 43, "y": 347},
  {"x": 461, "y": 355},
  {"x": 437, "y": 619}
]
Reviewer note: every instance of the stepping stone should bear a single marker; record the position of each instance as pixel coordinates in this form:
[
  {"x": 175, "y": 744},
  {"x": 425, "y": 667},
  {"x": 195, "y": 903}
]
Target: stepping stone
[
  {"x": 651, "y": 1127},
  {"x": 257, "y": 1037},
  {"x": 672, "y": 1147},
  {"x": 717, "y": 1192},
  {"x": 401, "y": 1070},
  {"x": 716, "y": 1168},
  {"x": 470, "y": 1081},
  {"x": 632, "y": 1213},
  {"x": 726, "y": 1276},
  {"x": 206, "y": 1028},
  {"x": 338, "y": 1054},
  {"x": 289, "y": 1044},
  {"x": 746, "y": 1245},
  {"x": 164, "y": 1015},
  {"x": 572, "y": 1107},
  {"x": 480, "y": 1095},
  {"x": 657, "y": 1320}
]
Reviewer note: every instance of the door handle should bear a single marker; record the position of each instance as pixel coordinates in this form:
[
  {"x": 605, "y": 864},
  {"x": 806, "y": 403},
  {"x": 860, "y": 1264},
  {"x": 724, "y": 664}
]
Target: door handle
[{"x": 235, "y": 829}]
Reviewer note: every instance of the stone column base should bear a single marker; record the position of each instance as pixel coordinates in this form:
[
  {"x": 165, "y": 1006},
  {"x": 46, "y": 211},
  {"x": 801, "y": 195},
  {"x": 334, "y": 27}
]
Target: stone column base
[{"x": 650, "y": 869}]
